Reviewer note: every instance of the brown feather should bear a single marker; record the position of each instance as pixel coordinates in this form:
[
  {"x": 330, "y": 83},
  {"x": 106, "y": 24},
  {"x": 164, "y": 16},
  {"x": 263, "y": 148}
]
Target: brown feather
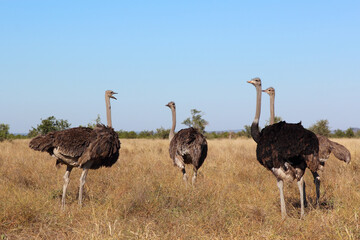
[
  {"x": 191, "y": 145},
  {"x": 77, "y": 146},
  {"x": 326, "y": 147}
]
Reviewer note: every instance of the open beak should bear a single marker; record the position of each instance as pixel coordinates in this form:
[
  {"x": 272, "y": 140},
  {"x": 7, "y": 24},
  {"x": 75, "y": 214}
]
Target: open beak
[{"x": 113, "y": 96}]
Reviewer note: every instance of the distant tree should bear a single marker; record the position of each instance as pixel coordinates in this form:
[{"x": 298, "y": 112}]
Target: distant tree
[
  {"x": 96, "y": 122},
  {"x": 122, "y": 134},
  {"x": 125, "y": 134},
  {"x": 132, "y": 135},
  {"x": 162, "y": 133},
  {"x": 321, "y": 127},
  {"x": 49, "y": 125},
  {"x": 196, "y": 121},
  {"x": 146, "y": 134},
  {"x": 349, "y": 133},
  {"x": 357, "y": 134},
  {"x": 339, "y": 133},
  {"x": 247, "y": 131},
  {"x": 211, "y": 135},
  {"x": 4, "y": 131}
]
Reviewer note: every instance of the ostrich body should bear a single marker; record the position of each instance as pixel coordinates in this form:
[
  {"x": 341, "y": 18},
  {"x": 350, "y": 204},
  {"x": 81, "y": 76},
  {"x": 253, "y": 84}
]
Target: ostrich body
[
  {"x": 326, "y": 146},
  {"x": 188, "y": 146},
  {"x": 284, "y": 149},
  {"x": 81, "y": 147}
]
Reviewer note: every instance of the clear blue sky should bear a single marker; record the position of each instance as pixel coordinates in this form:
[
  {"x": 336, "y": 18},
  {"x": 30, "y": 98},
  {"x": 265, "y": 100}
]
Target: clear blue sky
[{"x": 58, "y": 57}]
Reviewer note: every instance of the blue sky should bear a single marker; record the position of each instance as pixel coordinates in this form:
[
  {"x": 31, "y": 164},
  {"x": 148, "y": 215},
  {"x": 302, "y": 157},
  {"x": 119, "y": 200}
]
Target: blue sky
[{"x": 58, "y": 57}]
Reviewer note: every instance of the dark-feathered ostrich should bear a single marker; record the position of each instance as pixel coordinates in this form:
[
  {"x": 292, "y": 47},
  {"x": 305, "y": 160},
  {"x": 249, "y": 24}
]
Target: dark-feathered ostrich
[
  {"x": 188, "y": 146},
  {"x": 326, "y": 146},
  {"x": 284, "y": 149},
  {"x": 81, "y": 147}
]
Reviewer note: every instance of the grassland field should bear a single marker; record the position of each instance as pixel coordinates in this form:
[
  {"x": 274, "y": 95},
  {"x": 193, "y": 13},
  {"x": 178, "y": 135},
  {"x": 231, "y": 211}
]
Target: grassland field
[{"x": 143, "y": 196}]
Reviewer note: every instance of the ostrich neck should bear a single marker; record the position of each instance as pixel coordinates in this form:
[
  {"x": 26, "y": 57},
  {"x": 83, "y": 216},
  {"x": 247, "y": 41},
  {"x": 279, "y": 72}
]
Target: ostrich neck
[
  {"x": 108, "y": 111},
  {"x": 172, "y": 131},
  {"x": 272, "y": 109},
  {"x": 255, "y": 133}
]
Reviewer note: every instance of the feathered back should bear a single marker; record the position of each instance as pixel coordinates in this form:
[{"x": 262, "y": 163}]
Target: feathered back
[
  {"x": 191, "y": 145},
  {"x": 70, "y": 142},
  {"x": 103, "y": 149},
  {"x": 283, "y": 142},
  {"x": 100, "y": 145}
]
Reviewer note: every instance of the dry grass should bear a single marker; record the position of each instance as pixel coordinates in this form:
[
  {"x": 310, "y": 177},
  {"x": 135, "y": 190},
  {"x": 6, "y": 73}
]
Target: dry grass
[{"x": 143, "y": 197}]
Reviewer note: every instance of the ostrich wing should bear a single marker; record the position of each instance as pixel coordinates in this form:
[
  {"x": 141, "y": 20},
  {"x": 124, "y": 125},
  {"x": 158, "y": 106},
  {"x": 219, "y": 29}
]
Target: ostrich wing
[
  {"x": 340, "y": 152},
  {"x": 70, "y": 142},
  {"x": 103, "y": 149}
]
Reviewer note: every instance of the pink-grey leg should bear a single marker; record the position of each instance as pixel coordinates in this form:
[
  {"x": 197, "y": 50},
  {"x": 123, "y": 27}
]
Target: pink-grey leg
[
  {"x": 82, "y": 183},
  {"x": 66, "y": 183},
  {"x": 301, "y": 190},
  {"x": 280, "y": 185}
]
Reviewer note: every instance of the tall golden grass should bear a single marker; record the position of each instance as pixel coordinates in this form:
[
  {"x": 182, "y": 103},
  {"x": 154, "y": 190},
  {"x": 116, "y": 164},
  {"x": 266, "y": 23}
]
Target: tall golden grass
[{"x": 143, "y": 197}]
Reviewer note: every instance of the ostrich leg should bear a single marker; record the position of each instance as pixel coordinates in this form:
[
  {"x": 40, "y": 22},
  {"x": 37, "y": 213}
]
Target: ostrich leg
[
  {"x": 194, "y": 176},
  {"x": 82, "y": 182},
  {"x": 317, "y": 186},
  {"x": 179, "y": 161},
  {"x": 280, "y": 185},
  {"x": 66, "y": 183},
  {"x": 301, "y": 190}
]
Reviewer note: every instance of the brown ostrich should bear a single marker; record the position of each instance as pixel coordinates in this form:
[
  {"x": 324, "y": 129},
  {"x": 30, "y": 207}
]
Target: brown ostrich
[
  {"x": 188, "y": 146},
  {"x": 81, "y": 147},
  {"x": 285, "y": 149},
  {"x": 326, "y": 146}
]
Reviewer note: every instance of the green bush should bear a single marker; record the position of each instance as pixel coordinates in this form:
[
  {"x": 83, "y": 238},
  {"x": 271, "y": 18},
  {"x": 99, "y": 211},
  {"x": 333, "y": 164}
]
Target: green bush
[{"x": 4, "y": 131}]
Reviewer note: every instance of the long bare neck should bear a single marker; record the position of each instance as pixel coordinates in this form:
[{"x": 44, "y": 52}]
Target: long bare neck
[
  {"x": 255, "y": 133},
  {"x": 108, "y": 111},
  {"x": 272, "y": 109},
  {"x": 172, "y": 131}
]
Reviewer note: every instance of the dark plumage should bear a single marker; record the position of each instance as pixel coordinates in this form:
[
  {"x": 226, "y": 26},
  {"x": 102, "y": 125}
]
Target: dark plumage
[
  {"x": 191, "y": 145},
  {"x": 326, "y": 146},
  {"x": 282, "y": 143},
  {"x": 81, "y": 147},
  {"x": 78, "y": 146},
  {"x": 188, "y": 146},
  {"x": 285, "y": 149}
]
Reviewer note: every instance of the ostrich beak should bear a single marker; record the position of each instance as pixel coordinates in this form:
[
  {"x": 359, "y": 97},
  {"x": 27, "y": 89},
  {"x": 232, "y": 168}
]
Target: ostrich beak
[
  {"x": 250, "y": 82},
  {"x": 113, "y": 96}
]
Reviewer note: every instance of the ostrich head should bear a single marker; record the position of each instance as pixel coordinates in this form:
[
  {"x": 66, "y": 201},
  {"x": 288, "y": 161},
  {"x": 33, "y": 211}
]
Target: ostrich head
[
  {"x": 110, "y": 94},
  {"x": 270, "y": 91},
  {"x": 255, "y": 81},
  {"x": 171, "y": 105}
]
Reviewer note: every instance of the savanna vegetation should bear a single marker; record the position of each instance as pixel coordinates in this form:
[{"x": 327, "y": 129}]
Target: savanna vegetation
[
  {"x": 143, "y": 196},
  {"x": 196, "y": 120}
]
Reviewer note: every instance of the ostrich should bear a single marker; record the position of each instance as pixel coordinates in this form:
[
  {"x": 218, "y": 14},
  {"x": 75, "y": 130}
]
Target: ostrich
[
  {"x": 271, "y": 92},
  {"x": 188, "y": 146},
  {"x": 284, "y": 149},
  {"x": 326, "y": 146},
  {"x": 81, "y": 147}
]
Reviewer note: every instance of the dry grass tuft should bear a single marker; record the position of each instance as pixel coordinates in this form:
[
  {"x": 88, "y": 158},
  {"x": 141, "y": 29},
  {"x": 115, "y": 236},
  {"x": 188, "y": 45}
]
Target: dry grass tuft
[{"x": 143, "y": 197}]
